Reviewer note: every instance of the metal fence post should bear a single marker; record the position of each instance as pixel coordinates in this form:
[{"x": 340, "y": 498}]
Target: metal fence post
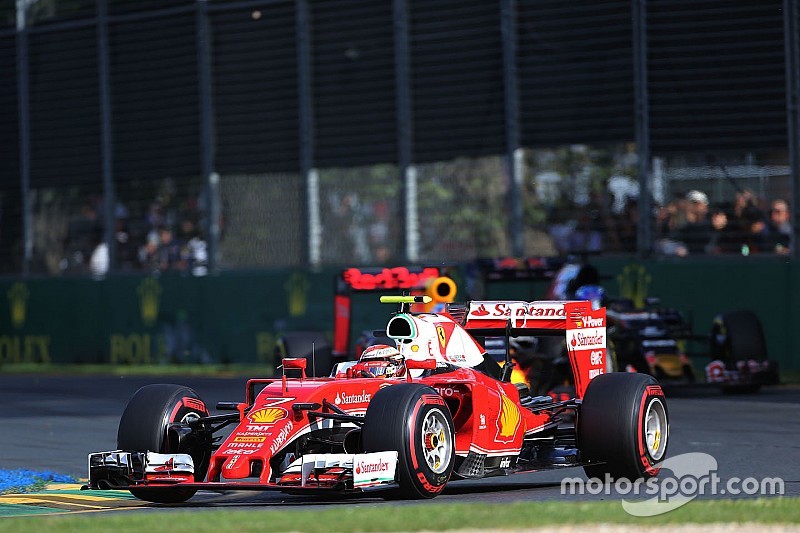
[
  {"x": 106, "y": 132},
  {"x": 23, "y": 97},
  {"x": 405, "y": 131},
  {"x": 306, "y": 111},
  {"x": 207, "y": 134},
  {"x": 514, "y": 155},
  {"x": 792, "y": 47},
  {"x": 644, "y": 235}
]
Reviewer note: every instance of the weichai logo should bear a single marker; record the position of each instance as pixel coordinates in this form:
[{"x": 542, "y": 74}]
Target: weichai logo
[{"x": 268, "y": 415}]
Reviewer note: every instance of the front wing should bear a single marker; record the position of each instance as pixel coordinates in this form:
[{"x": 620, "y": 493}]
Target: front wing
[{"x": 312, "y": 472}]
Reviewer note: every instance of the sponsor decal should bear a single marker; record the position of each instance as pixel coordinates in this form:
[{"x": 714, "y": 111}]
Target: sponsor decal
[
  {"x": 509, "y": 419},
  {"x": 388, "y": 278},
  {"x": 236, "y": 452},
  {"x": 596, "y": 357},
  {"x": 149, "y": 299},
  {"x": 480, "y": 311},
  {"x": 588, "y": 339},
  {"x": 532, "y": 310},
  {"x": 483, "y": 421},
  {"x": 589, "y": 322},
  {"x": 374, "y": 468},
  {"x": 232, "y": 462},
  {"x": 247, "y": 438},
  {"x": 456, "y": 357},
  {"x": 505, "y": 462},
  {"x": 342, "y": 398},
  {"x": 244, "y": 445},
  {"x": 18, "y": 298},
  {"x": 442, "y": 336},
  {"x": 268, "y": 415},
  {"x": 280, "y": 439},
  {"x": 593, "y": 373},
  {"x": 368, "y": 468},
  {"x": 260, "y": 432}
]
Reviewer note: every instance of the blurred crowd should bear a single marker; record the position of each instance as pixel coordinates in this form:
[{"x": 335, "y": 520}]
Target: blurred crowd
[
  {"x": 690, "y": 225},
  {"x": 687, "y": 225},
  {"x": 164, "y": 239}
]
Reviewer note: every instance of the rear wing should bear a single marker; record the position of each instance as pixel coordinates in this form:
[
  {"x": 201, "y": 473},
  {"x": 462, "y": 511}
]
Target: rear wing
[{"x": 583, "y": 328}]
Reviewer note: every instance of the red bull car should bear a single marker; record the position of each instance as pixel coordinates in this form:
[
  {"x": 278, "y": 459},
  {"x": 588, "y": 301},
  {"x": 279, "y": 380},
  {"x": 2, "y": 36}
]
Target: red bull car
[{"x": 405, "y": 419}]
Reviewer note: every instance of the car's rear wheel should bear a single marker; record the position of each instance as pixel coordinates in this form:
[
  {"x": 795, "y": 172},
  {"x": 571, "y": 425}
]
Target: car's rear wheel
[
  {"x": 623, "y": 426},
  {"x": 413, "y": 420},
  {"x": 143, "y": 427}
]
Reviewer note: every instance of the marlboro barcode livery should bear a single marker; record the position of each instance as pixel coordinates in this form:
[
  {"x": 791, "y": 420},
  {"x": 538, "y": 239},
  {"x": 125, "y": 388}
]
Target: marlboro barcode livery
[{"x": 406, "y": 418}]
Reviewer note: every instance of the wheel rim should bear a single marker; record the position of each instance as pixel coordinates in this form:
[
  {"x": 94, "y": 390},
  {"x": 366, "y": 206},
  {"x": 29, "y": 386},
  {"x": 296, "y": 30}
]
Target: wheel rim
[
  {"x": 437, "y": 441},
  {"x": 656, "y": 429}
]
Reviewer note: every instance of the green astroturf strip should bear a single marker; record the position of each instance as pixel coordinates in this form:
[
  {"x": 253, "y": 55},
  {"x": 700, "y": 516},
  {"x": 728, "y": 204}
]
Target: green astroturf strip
[{"x": 25, "y": 510}]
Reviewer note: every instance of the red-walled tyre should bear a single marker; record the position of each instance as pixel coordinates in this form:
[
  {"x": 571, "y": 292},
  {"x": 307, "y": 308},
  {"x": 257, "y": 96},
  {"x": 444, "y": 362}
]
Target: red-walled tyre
[
  {"x": 413, "y": 420},
  {"x": 143, "y": 427},
  {"x": 623, "y": 424}
]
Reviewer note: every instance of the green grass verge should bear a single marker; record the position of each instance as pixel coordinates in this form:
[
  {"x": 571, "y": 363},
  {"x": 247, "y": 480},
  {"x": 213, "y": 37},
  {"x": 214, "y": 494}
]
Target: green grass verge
[{"x": 418, "y": 517}]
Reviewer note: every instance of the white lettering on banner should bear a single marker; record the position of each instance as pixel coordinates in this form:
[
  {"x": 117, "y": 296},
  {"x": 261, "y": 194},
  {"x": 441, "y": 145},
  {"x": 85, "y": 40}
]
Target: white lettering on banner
[
  {"x": 595, "y": 372},
  {"x": 590, "y": 322},
  {"x": 588, "y": 339},
  {"x": 374, "y": 468},
  {"x": 266, "y": 429},
  {"x": 596, "y": 357},
  {"x": 342, "y": 398},
  {"x": 492, "y": 310}
]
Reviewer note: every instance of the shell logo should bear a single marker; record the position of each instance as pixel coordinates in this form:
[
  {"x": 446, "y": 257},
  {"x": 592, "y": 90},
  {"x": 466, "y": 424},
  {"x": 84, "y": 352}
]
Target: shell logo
[
  {"x": 268, "y": 415},
  {"x": 509, "y": 419}
]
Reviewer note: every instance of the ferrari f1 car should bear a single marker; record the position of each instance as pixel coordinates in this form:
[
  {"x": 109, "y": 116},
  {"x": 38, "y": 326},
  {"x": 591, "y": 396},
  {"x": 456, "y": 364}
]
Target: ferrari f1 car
[{"x": 403, "y": 419}]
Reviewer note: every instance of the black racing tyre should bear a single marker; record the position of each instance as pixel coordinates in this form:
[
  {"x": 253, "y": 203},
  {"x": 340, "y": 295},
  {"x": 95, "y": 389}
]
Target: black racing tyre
[
  {"x": 311, "y": 345},
  {"x": 737, "y": 336},
  {"x": 623, "y": 422},
  {"x": 413, "y": 420},
  {"x": 143, "y": 427}
]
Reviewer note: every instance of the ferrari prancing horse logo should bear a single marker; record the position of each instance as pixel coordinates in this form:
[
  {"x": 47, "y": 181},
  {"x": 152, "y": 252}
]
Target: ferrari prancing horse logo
[{"x": 442, "y": 336}]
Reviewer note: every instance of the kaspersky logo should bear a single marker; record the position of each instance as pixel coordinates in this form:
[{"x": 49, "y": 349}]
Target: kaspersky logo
[
  {"x": 634, "y": 283},
  {"x": 268, "y": 415},
  {"x": 149, "y": 298},
  {"x": 18, "y": 300}
]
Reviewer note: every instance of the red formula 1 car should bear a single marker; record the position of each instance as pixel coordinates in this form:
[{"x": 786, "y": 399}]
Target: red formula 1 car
[{"x": 406, "y": 419}]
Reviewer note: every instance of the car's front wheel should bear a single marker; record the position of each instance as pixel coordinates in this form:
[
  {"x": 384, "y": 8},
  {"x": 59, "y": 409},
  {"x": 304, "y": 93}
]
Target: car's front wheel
[
  {"x": 143, "y": 427},
  {"x": 413, "y": 420}
]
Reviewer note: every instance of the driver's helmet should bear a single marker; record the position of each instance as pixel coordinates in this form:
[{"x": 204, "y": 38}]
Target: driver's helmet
[{"x": 380, "y": 361}]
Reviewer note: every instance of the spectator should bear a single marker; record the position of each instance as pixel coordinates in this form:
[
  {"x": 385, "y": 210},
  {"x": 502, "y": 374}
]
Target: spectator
[
  {"x": 721, "y": 241},
  {"x": 99, "y": 260},
  {"x": 168, "y": 254},
  {"x": 697, "y": 231},
  {"x": 755, "y": 236},
  {"x": 779, "y": 229}
]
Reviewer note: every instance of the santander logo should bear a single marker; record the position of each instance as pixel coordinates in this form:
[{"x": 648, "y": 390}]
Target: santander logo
[
  {"x": 342, "y": 398},
  {"x": 368, "y": 468},
  {"x": 480, "y": 311}
]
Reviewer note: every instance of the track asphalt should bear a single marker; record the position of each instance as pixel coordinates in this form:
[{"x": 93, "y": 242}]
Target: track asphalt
[{"x": 53, "y": 422}]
